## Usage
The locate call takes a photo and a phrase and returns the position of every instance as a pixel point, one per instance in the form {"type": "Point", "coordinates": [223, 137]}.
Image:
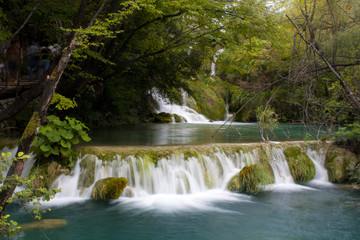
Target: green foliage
{"type": "Point", "coordinates": [62, 103]}
{"type": "Point", "coordinates": [209, 95]}
{"type": "Point", "coordinates": [351, 130]}
{"type": "Point", "coordinates": [29, 194]}
{"type": "Point", "coordinates": [267, 120]}
{"type": "Point", "coordinates": [57, 137]}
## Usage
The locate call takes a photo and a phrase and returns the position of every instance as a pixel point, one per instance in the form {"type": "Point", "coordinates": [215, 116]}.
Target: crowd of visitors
{"type": "Point", "coordinates": [38, 59]}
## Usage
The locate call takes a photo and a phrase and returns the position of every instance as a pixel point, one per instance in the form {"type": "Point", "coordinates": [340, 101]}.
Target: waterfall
{"type": "Point", "coordinates": [179, 174]}
{"type": "Point", "coordinates": [213, 64]}
{"type": "Point", "coordinates": [188, 114]}
{"type": "Point", "coordinates": [318, 158]}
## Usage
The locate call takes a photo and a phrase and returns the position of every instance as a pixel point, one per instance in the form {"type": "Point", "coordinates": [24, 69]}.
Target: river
{"type": "Point", "coordinates": [187, 198]}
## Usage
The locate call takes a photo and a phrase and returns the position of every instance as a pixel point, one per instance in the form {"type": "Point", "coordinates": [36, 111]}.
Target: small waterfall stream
{"type": "Point", "coordinates": [177, 174]}
{"type": "Point", "coordinates": [188, 114]}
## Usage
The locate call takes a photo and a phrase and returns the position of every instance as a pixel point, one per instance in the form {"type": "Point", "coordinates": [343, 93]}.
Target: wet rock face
{"type": "Point", "coordinates": [342, 165]}
{"type": "Point", "coordinates": [109, 188]}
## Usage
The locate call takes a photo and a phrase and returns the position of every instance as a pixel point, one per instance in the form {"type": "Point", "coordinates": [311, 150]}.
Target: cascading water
{"type": "Point", "coordinates": [213, 64]}
{"type": "Point", "coordinates": [188, 114]}
{"type": "Point", "coordinates": [178, 175]}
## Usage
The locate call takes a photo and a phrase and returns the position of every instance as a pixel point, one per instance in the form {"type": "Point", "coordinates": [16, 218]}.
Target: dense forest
{"type": "Point", "coordinates": [97, 64]}
{"type": "Point", "coordinates": [299, 58]}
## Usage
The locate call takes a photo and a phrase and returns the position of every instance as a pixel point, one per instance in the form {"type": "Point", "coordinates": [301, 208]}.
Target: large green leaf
{"type": "Point", "coordinates": [52, 118]}
{"type": "Point", "coordinates": [45, 148]}
{"type": "Point", "coordinates": [67, 134]}
{"type": "Point", "coordinates": [65, 143]}
{"type": "Point", "coordinates": [75, 140]}
{"type": "Point", "coordinates": [85, 136]}
{"type": "Point", "coordinates": [53, 136]}
{"type": "Point", "coordinates": [55, 151]}
{"type": "Point", "coordinates": [38, 141]}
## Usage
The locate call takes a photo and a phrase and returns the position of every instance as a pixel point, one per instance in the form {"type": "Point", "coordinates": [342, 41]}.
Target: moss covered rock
{"type": "Point", "coordinates": [87, 172]}
{"type": "Point", "coordinates": [342, 165]}
{"type": "Point", "coordinates": [251, 178]}
{"type": "Point", "coordinates": [109, 188]}
{"type": "Point", "coordinates": [301, 167]}
{"type": "Point", "coordinates": [163, 117]}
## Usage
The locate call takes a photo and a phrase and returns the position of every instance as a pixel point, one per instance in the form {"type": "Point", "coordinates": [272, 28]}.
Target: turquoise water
{"type": "Point", "coordinates": [185, 133]}
{"type": "Point", "coordinates": [288, 211]}
{"type": "Point", "coordinates": [315, 212]}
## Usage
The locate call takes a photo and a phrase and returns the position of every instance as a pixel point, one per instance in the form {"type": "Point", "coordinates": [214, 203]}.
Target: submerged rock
{"type": "Point", "coordinates": [251, 178]}
{"type": "Point", "coordinates": [301, 167]}
{"type": "Point", "coordinates": [342, 165]}
{"type": "Point", "coordinates": [109, 188]}
{"type": "Point", "coordinates": [44, 224]}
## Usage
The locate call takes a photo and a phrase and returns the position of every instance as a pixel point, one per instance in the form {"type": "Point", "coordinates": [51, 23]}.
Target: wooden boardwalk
{"type": "Point", "coordinates": [11, 90]}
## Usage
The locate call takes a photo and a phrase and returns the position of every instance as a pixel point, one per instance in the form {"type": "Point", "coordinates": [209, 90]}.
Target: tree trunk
{"type": "Point", "coordinates": [39, 114]}
{"type": "Point", "coordinates": [36, 120]}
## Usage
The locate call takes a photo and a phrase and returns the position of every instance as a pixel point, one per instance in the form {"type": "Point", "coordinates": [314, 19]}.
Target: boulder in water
{"type": "Point", "coordinates": [109, 188]}
{"type": "Point", "coordinates": [163, 117]}
{"type": "Point", "coordinates": [251, 178]}
{"type": "Point", "coordinates": [301, 167]}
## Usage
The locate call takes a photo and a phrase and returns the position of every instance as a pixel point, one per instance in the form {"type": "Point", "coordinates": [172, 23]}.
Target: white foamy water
{"type": "Point", "coordinates": [188, 114]}
{"type": "Point", "coordinates": [176, 180]}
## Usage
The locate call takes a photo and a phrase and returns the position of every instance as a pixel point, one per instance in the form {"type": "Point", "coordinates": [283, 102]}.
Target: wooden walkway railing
{"type": "Point", "coordinates": [10, 89]}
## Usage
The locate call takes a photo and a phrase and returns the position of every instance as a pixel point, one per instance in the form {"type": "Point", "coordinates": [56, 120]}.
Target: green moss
{"type": "Point", "coordinates": [31, 127]}
{"type": "Point", "coordinates": [209, 103]}
{"type": "Point", "coordinates": [178, 119]}
{"type": "Point", "coordinates": [109, 188]}
{"type": "Point", "coordinates": [163, 118]}
{"type": "Point", "coordinates": [301, 167]}
{"type": "Point", "coordinates": [251, 178]}
{"type": "Point", "coordinates": [342, 165]}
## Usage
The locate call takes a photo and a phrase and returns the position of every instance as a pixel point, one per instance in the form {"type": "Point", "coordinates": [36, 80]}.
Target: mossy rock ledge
{"type": "Point", "coordinates": [301, 166]}
{"type": "Point", "coordinates": [251, 179]}
{"type": "Point", "coordinates": [109, 188]}
{"type": "Point", "coordinates": [342, 165]}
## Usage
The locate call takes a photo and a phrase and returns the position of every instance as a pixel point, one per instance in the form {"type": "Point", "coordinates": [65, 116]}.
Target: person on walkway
{"type": "Point", "coordinates": [12, 56]}
{"type": "Point", "coordinates": [45, 61]}
{"type": "Point", "coordinates": [33, 53]}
